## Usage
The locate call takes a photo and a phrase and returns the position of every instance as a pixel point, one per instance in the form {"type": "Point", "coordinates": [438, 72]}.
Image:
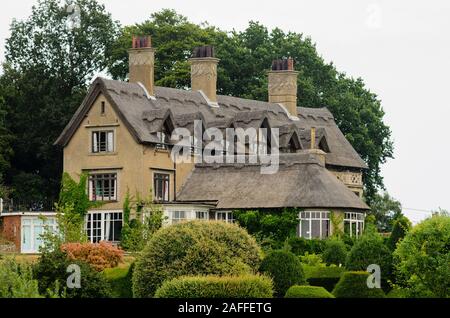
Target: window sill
{"type": "Point", "coordinates": [101, 154]}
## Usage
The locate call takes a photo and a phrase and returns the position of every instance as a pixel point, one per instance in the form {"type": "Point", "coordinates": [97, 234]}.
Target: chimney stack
{"type": "Point", "coordinates": [283, 84]}
{"type": "Point", "coordinates": [142, 63]}
{"type": "Point", "coordinates": [204, 72]}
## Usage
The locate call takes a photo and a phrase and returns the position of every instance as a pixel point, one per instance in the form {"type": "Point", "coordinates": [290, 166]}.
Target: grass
{"type": "Point", "coordinates": [120, 279]}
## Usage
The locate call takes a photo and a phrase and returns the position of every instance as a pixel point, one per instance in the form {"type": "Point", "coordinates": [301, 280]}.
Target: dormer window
{"type": "Point", "coordinates": [265, 138]}
{"type": "Point", "coordinates": [102, 141]}
{"type": "Point", "coordinates": [164, 135]}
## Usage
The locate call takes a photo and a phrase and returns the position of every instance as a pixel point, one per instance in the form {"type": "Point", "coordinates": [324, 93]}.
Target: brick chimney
{"type": "Point", "coordinates": [142, 63]}
{"type": "Point", "coordinates": [283, 85]}
{"type": "Point", "coordinates": [204, 72]}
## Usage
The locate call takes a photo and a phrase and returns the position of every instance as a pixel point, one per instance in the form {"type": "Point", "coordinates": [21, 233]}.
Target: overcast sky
{"type": "Point", "coordinates": [400, 48]}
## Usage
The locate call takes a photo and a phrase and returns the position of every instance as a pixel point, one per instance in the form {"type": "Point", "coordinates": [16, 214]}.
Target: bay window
{"type": "Point", "coordinates": [354, 223]}
{"type": "Point", "coordinates": [314, 225]}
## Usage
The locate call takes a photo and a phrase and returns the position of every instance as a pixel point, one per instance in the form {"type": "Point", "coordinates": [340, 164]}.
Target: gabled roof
{"type": "Point", "coordinates": [301, 181]}
{"type": "Point", "coordinates": [142, 116]}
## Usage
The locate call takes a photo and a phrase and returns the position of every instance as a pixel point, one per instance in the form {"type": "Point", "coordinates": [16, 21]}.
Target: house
{"type": "Point", "coordinates": [121, 137]}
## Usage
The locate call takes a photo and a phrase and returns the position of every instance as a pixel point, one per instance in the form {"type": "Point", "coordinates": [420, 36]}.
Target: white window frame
{"type": "Point", "coordinates": [204, 213]}
{"type": "Point", "coordinates": [356, 218]}
{"type": "Point", "coordinates": [114, 196]}
{"type": "Point", "coordinates": [229, 217]}
{"type": "Point", "coordinates": [178, 216]}
{"type": "Point", "coordinates": [308, 216]}
{"type": "Point", "coordinates": [104, 235]}
{"type": "Point", "coordinates": [110, 141]}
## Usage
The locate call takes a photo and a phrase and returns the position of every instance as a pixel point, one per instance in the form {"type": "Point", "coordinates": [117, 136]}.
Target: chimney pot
{"type": "Point", "coordinates": [204, 71]}
{"type": "Point", "coordinates": [142, 62]}
{"type": "Point", "coordinates": [283, 84]}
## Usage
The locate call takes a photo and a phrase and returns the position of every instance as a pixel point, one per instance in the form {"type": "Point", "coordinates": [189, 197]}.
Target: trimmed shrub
{"type": "Point", "coordinates": [51, 273]}
{"type": "Point", "coordinates": [311, 259]}
{"type": "Point", "coordinates": [99, 255]}
{"type": "Point", "coordinates": [194, 248]}
{"type": "Point", "coordinates": [401, 227]}
{"type": "Point", "coordinates": [307, 292]}
{"type": "Point", "coordinates": [120, 280]}
{"type": "Point", "coordinates": [335, 252]}
{"type": "Point", "coordinates": [354, 285]}
{"type": "Point", "coordinates": [300, 246]}
{"type": "Point", "coordinates": [370, 250]}
{"type": "Point", "coordinates": [285, 269]}
{"type": "Point", "coordinates": [16, 280]}
{"type": "Point", "coordinates": [323, 276]}
{"type": "Point", "coordinates": [245, 286]}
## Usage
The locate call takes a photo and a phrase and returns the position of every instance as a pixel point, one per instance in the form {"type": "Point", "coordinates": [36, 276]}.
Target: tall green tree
{"type": "Point", "coordinates": [50, 58]}
{"type": "Point", "coordinates": [245, 58]}
{"type": "Point", "coordinates": [6, 151]}
{"type": "Point", "coordinates": [385, 209]}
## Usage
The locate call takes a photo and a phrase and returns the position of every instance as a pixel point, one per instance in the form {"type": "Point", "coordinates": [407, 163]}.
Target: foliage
{"type": "Point", "coordinates": [51, 272]}
{"type": "Point", "coordinates": [324, 276]}
{"type": "Point", "coordinates": [99, 255]}
{"type": "Point", "coordinates": [354, 285]}
{"type": "Point", "coordinates": [337, 219]}
{"type": "Point", "coordinates": [422, 258]}
{"type": "Point", "coordinates": [47, 69]}
{"type": "Point", "coordinates": [385, 209]}
{"type": "Point", "coordinates": [244, 286]}
{"type": "Point", "coordinates": [194, 248]}
{"type": "Point", "coordinates": [74, 194]}
{"type": "Point", "coordinates": [401, 227]}
{"type": "Point", "coordinates": [244, 59]}
{"type": "Point", "coordinates": [370, 250]}
{"type": "Point", "coordinates": [335, 252]}
{"type": "Point", "coordinates": [301, 246]}
{"type": "Point", "coordinates": [285, 270]}
{"type": "Point", "coordinates": [136, 233]}
{"type": "Point", "coordinates": [311, 259]}
{"type": "Point", "coordinates": [307, 292]}
{"type": "Point", "coordinates": [273, 225]}
{"type": "Point", "coordinates": [397, 293]}
{"type": "Point", "coordinates": [16, 280]}
{"type": "Point", "coordinates": [120, 280]}
{"type": "Point", "coordinates": [6, 139]}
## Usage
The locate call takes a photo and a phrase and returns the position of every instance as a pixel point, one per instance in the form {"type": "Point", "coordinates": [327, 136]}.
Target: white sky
{"type": "Point", "coordinates": [400, 48]}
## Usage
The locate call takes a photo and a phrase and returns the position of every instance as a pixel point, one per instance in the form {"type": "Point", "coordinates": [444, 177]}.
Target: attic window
{"type": "Point", "coordinates": [164, 135]}
{"type": "Point", "coordinates": [102, 108]}
{"type": "Point", "coordinates": [323, 145]}
{"type": "Point", "coordinates": [102, 141]}
{"type": "Point", "coordinates": [265, 138]}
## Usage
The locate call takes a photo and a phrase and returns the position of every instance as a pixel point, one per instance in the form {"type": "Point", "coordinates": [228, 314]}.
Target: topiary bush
{"type": "Point", "coordinates": [307, 292]}
{"type": "Point", "coordinates": [335, 252]}
{"type": "Point", "coordinates": [301, 246]}
{"type": "Point", "coordinates": [285, 269]}
{"type": "Point", "coordinates": [51, 273]}
{"type": "Point", "coordinates": [244, 286]}
{"type": "Point", "coordinates": [194, 248]}
{"type": "Point", "coordinates": [370, 250]}
{"type": "Point", "coordinates": [402, 225]}
{"type": "Point", "coordinates": [354, 285]}
{"type": "Point", "coordinates": [99, 255]}
{"type": "Point", "coordinates": [323, 276]}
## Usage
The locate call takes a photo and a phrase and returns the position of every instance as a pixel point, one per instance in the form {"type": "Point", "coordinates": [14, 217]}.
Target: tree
{"type": "Point", "coordinates": [48, 65]}
{"type": "Point", "coordinates": [422, 258]}
{"type": "Point", "coordinates": [385, 209]}
{"type": "Point", "coordinates": [244, 59]}
{"type": "Point", "coordinates": [6, 151]}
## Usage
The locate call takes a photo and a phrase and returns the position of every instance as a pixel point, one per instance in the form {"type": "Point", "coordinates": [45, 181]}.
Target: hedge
{"type": "Point", "coordinates": [244, 286]}
{"type": "Point", "coordinates": [323, 276]}
{"type": "Point", "coordinates": [191, 249]}
{"type": "Point", "coordinates": [285, 269]}
{"type": "Point", "coordinates": [307, 292]}
{"type": "Point", "coordinates": [300, 245]}
{"type": "Point", "coordinates": [354, 285]}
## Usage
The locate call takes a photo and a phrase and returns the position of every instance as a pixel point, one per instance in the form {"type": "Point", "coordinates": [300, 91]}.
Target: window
{"type": "Point", "coordinates": [225, 216]}
{"type": "Point", "coordinates": [162, 140]}
{"type": "Point", "coordinates": [178, 216]}
{"type": "Point", "coordinates": [201, 215]}
{"type": "Point", "coordinates": [354, 223]}
{"type": "Point", "coordinates": [104, 226]}
{"type": "Point", "coordinates": [103, 187]}
{"type": "Point", "coordinates": [102, 109]}
{"type": "Point", "coordinates": [102, 141]}
{"type": "Point", "coordinates": [314, 225]}
{"type": "Point", "coordinates": [161, 186]}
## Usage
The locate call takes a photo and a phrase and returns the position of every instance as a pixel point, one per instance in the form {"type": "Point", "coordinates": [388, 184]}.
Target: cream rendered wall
{"type": "Point", "coordinates": [126, 160]}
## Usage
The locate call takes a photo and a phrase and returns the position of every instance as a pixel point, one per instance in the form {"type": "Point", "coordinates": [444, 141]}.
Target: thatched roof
{"type": "Point", "coordinates": [144, 117]}
{"type": "Point", "coordinates": [302, 181]}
